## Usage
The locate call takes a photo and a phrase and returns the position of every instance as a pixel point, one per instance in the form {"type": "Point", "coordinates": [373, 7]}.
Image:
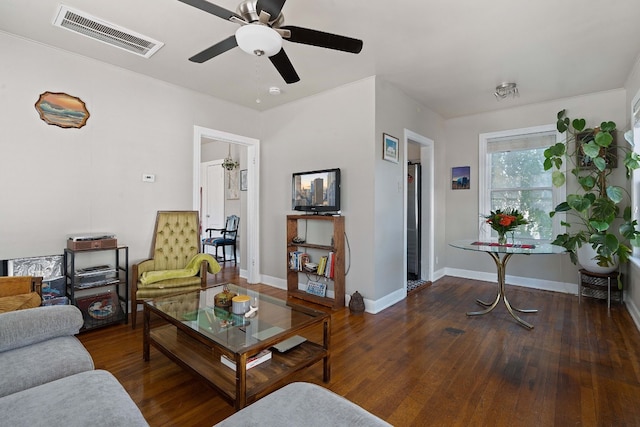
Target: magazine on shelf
{"type": "Point", "coordinates": [252, 361]}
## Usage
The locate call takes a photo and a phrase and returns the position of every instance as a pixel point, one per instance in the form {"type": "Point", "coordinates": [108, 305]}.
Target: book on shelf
{"type": "Point", "coordinates": [322, 263]}
{"type": "Point", "coordinates": [316, 288]}
{"type": "Point", "coordinates": [252, 361]}
{"type": "Point", "coordinates": [329, 269]}
{"type": "Point", "coordinates": [298, 259]}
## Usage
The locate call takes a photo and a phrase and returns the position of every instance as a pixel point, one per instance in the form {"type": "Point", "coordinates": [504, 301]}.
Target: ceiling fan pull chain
{"type": "Point", "coordinates": [257, 80]}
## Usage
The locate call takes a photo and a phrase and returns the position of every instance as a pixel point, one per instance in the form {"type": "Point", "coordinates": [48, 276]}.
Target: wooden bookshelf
{"type": "Point", "coordinates": [337, 247]}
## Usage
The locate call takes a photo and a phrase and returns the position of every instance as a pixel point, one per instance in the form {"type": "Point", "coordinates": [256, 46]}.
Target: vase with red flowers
{"type": "Point", "coordinates": [505, 221]}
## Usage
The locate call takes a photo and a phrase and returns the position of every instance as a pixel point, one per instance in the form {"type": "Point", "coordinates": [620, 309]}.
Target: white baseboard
{"type": "Point", "coordinates": [633, 311]}
{"type": "Point", "coordinates": [526, 282]}
{"type": "Point", "coordinates": [376, 306]}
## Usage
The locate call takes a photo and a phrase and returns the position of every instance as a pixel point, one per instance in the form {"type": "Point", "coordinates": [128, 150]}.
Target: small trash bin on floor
{"type": "Point", "coordinates": [600, 286]}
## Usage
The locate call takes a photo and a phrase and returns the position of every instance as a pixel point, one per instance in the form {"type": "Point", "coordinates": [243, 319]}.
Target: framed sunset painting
{"type": "Point", "coordinates": [60, 109]}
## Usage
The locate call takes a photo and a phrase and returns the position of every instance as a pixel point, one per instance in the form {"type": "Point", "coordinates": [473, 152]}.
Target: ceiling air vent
{"type": "Point", "coordinates": [106, 32]}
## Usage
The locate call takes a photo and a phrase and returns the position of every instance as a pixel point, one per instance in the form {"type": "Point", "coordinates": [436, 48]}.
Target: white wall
{"type": "Point", "coordinates": [343, 128]}
{"type": "Point", "coordinates": [331, 130]}
{"type": "Point", "coordinates": [462, 205]}
{"type": "Point", "coordinates": [395, 111]}
{"type": "Point", "coordinates": [62, 181]}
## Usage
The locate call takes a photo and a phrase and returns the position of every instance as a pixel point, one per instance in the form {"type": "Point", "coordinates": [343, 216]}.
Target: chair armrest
{"type": "Point", "coordinates": [25, 327]}
{"type": "Point", "coordinates": [17, 285]}
{"type": "Point", "coordinates": [204, 266]}
{"type": "Point", "coordinates": [142, 266]}
{"type": "Point", "coordinates": [37, 285]}
{"type": "Point", "coordinates": [209, 230]}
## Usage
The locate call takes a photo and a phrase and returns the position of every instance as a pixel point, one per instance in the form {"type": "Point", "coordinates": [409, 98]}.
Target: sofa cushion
{"type": "Point", "coordinates": [303, 404]}
{"type": "Point", "coordinates": [93, 398]}
{"type": "Point", "coordinates": [43, 362]}
{"type": "Point", "coordinates": [26, 327]}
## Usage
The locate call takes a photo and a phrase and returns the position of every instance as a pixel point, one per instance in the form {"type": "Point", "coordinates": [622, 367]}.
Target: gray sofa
{"type": "Point", "coordinates": [47, 377]}
{"type": "Point", "coordinates": [304, 405]}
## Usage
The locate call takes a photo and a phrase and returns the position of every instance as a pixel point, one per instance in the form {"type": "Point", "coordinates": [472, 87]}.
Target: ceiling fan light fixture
{"type": "Point", "coordinates": [506, 89]}
{"type": "Point", "coordinates": [259, 40]}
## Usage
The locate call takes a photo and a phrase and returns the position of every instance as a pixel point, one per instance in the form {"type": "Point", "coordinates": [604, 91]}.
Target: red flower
{"type": "Point", "coordinates": [506, 220]}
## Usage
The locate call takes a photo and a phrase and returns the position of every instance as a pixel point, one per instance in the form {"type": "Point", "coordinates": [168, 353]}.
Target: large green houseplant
{"type": "Point", "coordinates": [598, 212]}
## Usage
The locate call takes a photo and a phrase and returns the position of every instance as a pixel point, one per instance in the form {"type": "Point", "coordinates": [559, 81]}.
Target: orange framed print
{"type": "Point", "coordinates": [60, 109]}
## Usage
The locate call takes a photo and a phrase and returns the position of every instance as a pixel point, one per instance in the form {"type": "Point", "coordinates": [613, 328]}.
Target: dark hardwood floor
{"type": "Point", "coordinates": [423, 362]}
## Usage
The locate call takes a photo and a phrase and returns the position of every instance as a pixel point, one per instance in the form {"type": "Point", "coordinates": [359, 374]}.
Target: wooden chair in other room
{"type": "Point", "coordinates": [228, 237]}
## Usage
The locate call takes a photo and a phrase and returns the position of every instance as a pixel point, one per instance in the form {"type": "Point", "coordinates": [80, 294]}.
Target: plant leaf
{"type": "Point", "coordinates": [577, 202]}
{"type": "Point", "coordinates": [608, 126]}
{"type": "Point", "coordinates": [600, 163]}
{"type": "Point", "coordinates": [587, 182]}
{"type": "Point", "coordinates": [603, 139]}
{"type": "Point", "coordinates": [562, 207]}
{"type": "Point", "coordinates": [600, 226]}
{"type": "Point", "coordinates": [557, 178]}
{"type": "Point", "coordinates": [579, 124]}
{"type": "Point", "coordinates": [591, 149]}
{"type": "Point", "coordinates": [615, 193]}
{"type": "Point", "coordinates": [562, 125]}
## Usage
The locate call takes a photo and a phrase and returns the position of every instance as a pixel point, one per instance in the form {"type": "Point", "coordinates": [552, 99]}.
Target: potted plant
{"type": "Point", "coordinates": [593, 209]}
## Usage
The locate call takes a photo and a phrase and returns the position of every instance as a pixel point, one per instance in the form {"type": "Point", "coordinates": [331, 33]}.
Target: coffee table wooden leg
{"type": "Point", "coordinates": [326, 361]}
{"type": "Point", "coordinates": [145, 335]}
{"type": "Point", "coordinates": [241, 382]}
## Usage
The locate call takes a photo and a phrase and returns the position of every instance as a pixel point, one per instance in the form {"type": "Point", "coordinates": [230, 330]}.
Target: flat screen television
{"type": "Point", "coordinates": [316, 191]}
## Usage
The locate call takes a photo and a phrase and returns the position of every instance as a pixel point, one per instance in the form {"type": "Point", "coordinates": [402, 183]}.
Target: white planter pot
{"type": "Point", "coordinates": [587, 259]}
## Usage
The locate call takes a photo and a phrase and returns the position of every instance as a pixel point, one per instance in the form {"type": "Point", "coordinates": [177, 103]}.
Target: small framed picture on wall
{"type": "Point", "coordinates": [461, 178]}
{"type": "Point", "coordinates": [390, 148]}
{"type": "Point", "coordinates": [243, 180]}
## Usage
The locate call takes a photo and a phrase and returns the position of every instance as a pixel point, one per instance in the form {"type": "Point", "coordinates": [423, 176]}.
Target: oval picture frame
{"type": "Point", "coordinates": [63, 110]}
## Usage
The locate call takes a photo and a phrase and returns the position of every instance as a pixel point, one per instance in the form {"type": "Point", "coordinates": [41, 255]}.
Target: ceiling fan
{"type": "Point", "coordinates": [261, 33]}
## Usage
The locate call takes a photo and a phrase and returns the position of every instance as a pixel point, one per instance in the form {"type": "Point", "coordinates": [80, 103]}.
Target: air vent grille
{"type": "Point", "coordinates": [106, 32]}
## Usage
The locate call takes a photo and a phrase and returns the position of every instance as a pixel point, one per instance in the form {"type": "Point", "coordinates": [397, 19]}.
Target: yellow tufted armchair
{"type": "Point", "coordinates": [176, 241]}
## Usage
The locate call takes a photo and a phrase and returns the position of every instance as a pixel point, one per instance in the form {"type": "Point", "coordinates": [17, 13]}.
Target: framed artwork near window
{"type": "Point", "coordinates": [389, 148]}
{"type": "Point", "coordinates": [461, 178]}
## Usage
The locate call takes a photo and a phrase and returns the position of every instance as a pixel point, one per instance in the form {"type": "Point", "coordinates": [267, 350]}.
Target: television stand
{"type": "Point", "coordinates": [316, 250]}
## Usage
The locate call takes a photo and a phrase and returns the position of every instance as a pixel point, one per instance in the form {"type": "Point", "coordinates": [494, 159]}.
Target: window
{"type": "Point", "coordinates": [512, 175]}
{"type": "Point", "coordinates": [635, 183]}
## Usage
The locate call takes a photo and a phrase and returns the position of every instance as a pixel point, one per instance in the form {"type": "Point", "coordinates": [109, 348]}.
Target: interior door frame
{"type": "Point", "coordinates": [428, 165]}
{"type": "Point", "coordinates": [253, 189]}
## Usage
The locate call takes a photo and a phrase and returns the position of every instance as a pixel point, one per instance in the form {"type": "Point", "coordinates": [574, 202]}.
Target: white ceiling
{"type": "Point", "coordinates": [447, 54]}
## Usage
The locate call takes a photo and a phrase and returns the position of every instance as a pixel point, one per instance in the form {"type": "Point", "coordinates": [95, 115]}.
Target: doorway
{"type": "Point", "coordinates": [212, 211]}
{"type": "Point", "coordinates": [419, 149]}
{"type": "Point", "coordinates": [252, 230]}
{"type": "Point", "coordinates": [414, 220]}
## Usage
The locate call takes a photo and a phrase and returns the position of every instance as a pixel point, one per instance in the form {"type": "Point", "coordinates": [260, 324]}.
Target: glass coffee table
{"type": "Point", "coordinates": [194, 333]}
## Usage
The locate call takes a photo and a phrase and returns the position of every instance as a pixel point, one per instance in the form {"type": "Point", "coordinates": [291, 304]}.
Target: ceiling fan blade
{"type": "Point", "coordinates": [211, 8]}
{"type": "Point", "coordinates": [322, 39]}
{"type": "Point", "coordinates": [215, 50]}
{"type": "Point", "coordinates": [284, 66]}
{"type": "Point", "coordinates": [272, 7]}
